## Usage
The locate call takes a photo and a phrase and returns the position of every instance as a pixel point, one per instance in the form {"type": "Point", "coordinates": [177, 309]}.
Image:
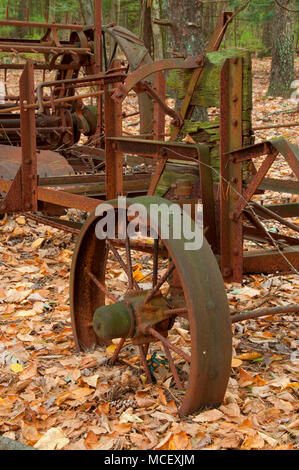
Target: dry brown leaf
{"type": "Point", "coordinates": [208, 416]}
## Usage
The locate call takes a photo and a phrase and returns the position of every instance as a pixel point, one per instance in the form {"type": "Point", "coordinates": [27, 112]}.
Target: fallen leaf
{"type": "Point", "coordinates": [53, 439]}
{"type": "Point", "coordinates": [208, 416]}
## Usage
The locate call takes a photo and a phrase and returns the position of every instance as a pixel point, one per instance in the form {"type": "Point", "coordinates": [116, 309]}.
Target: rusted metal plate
{"type": "Point", "coordinates": [48, 163]}
{"type": "Point", "coordinates": [272, 261]}
{"type": "Point", "coordinates": [231, 238]}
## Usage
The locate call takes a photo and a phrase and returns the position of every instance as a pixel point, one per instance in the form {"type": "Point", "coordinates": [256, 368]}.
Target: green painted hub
{"type": "Point", "coordinates": [112, 321]}
{"type": "Point", "coordinates": [119, 320]}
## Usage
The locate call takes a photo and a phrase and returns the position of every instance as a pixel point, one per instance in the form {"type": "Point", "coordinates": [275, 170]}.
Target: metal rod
{"type": "Point", "coordinates": [117, 351]}
{"type": "Point", "coordinates": [101, 287]}
{"type": "Point", "coordinates": [276, 216]}
{"type": "Point", "coordinates": [145, 365]}
{"type": "Point", "coordinates": [263, 312]}
{"type": "Point", "coordinates": [173, 368]}
{"type": "Point", "coordinates": [159, 284]}
{"type": "Point", "coordinates": [121, 262]}
{"type": "Point", "coordinates": [168, 344]}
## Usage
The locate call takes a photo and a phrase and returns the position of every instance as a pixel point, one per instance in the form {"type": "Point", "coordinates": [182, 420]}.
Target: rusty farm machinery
{"type": "Point", "coordinates": [45, 169]}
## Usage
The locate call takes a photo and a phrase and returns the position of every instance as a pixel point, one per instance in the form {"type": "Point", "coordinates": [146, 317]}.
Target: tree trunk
{"type": "Point", "coordinates": [283, 51]}
{"type": "Point", "coordinates": [267, 38]}
{"type": "Point", "coordinates": [115, 8]}
{"type": "Point", "coordinates": [157, 32]}
{"type": "Point", "coordinates": [87, 11]}
{"type": "Point", "coordinates": [22, 9]}
{"type": "Point", "coordinates": [185, 37]}
{"type": "Point", "coordinates": [185, 34]}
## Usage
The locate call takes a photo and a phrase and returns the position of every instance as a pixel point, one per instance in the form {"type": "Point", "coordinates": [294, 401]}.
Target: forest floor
{"type": "Point", "coordinates": [52, 397]}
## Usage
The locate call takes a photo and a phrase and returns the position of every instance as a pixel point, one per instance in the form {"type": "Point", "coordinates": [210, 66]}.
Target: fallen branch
{"type": "Point", "coordinates": [275, 126]}
{"type": "Point", "coordinates": [285, 110]}
{"type": "Point", "coordinates": [264, 312]}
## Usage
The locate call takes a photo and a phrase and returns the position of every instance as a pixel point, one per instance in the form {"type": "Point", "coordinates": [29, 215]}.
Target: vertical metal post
{"type": "Point", "coordinates": [28, 140]}
{"type": "Point", "coordinates": [114, 158]}
{"type": "Point", "coordinates": [98, 56]}
{"type": "Point", "coordinates": [159, 114]}
{"type": "Point", "coordinates": [231, 228]}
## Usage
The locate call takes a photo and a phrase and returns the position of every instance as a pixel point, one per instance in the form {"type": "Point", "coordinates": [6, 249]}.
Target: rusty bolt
{"type": "Point", "coordinates": [235, 122]}
{"type": "Point", "coordinates": [235, 98]}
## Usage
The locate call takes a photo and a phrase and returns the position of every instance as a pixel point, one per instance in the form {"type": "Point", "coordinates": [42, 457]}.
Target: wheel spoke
{"type": "Point", "coordinates": [159, 283]}
{"type": "Point", "coordinates": [155, 263]}
{"type": "Point", "coordinates": [129, 263]}
{"type": "Point", "coordinates": [122, 263]}
{"type": "Point", "coordinates": [117, 351]}
{"type": "Point", "coordinates": [173, 368]}
{"type": "Point", "coordinates": [145, 364]}
{"type": "Point", "coordinates": [180, 312]}
{"type": "Point", "coordinates": [164, 341]}
{"type": "Point", "coordinates": [101, 286]}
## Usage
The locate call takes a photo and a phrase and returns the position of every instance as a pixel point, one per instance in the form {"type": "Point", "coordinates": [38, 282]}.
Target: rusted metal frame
{"type": "Point", "coordinates": [114, 159]}
{"type": "Point", "coordinates": [277, 217]}
{"type": "Point", "coordinates": [157, 175]}
{"type": "Point", "coordinates": [207, 196]}
{"type": "Point", "coordinates": [252, 151]}
{"type": "Point", "coordinates": [231, 231]}
{"type": "Point", "coordinates": [78, 82]}
{"type": "Point", "coordinates": [65, 199]}
{"type": "Point", "coordinates": [271, 261]}
{"type": "Point", "coordinates": [22, 191]}
{"type": "Point", "coordinates": [288, 209]}
{"type": "Point", "coordinates": [219, 32]}
{"type": "Point", "coordinates": [146, 87]}
{"type": "Point", "coordinates": [159, 112]}
{"type": "Point", "coordinates": [258, 225]}
{"type": "Point", "coordinates": [282, 186]}
{"type": "Point", "coordinates": [16, 48]}
{"type": "Point", "coordinates": [255, 234]}
{"type": "Point", "coordinates": [60, 224]}
{"type": "Point", "coordinates": [28, 140]}
{"type": "Point", "coordinates": [292, 161]}
{"type": "Point", "coordinates": [56, 101]}
{"type": "Point", "coordinates": [150, 148]}
{"type": "Point", "coordinates": [146, 70]}
{"type": "Point", "coordinates": [38, 66]}
{"type": "Point", "coordinates": [254, 185]}
{"type": "Point", "coordinates": [98, 60]}
{"type": "Point", "coordinates": [36, 24]}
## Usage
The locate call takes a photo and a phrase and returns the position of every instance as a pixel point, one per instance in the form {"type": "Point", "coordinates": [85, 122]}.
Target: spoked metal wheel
{"type": "Point", "coordinates": [165, 302]}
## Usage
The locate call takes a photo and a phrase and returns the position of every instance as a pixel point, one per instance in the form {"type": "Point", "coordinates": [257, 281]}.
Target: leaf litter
{"type": "Point", "coordinates": [53, 398]}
